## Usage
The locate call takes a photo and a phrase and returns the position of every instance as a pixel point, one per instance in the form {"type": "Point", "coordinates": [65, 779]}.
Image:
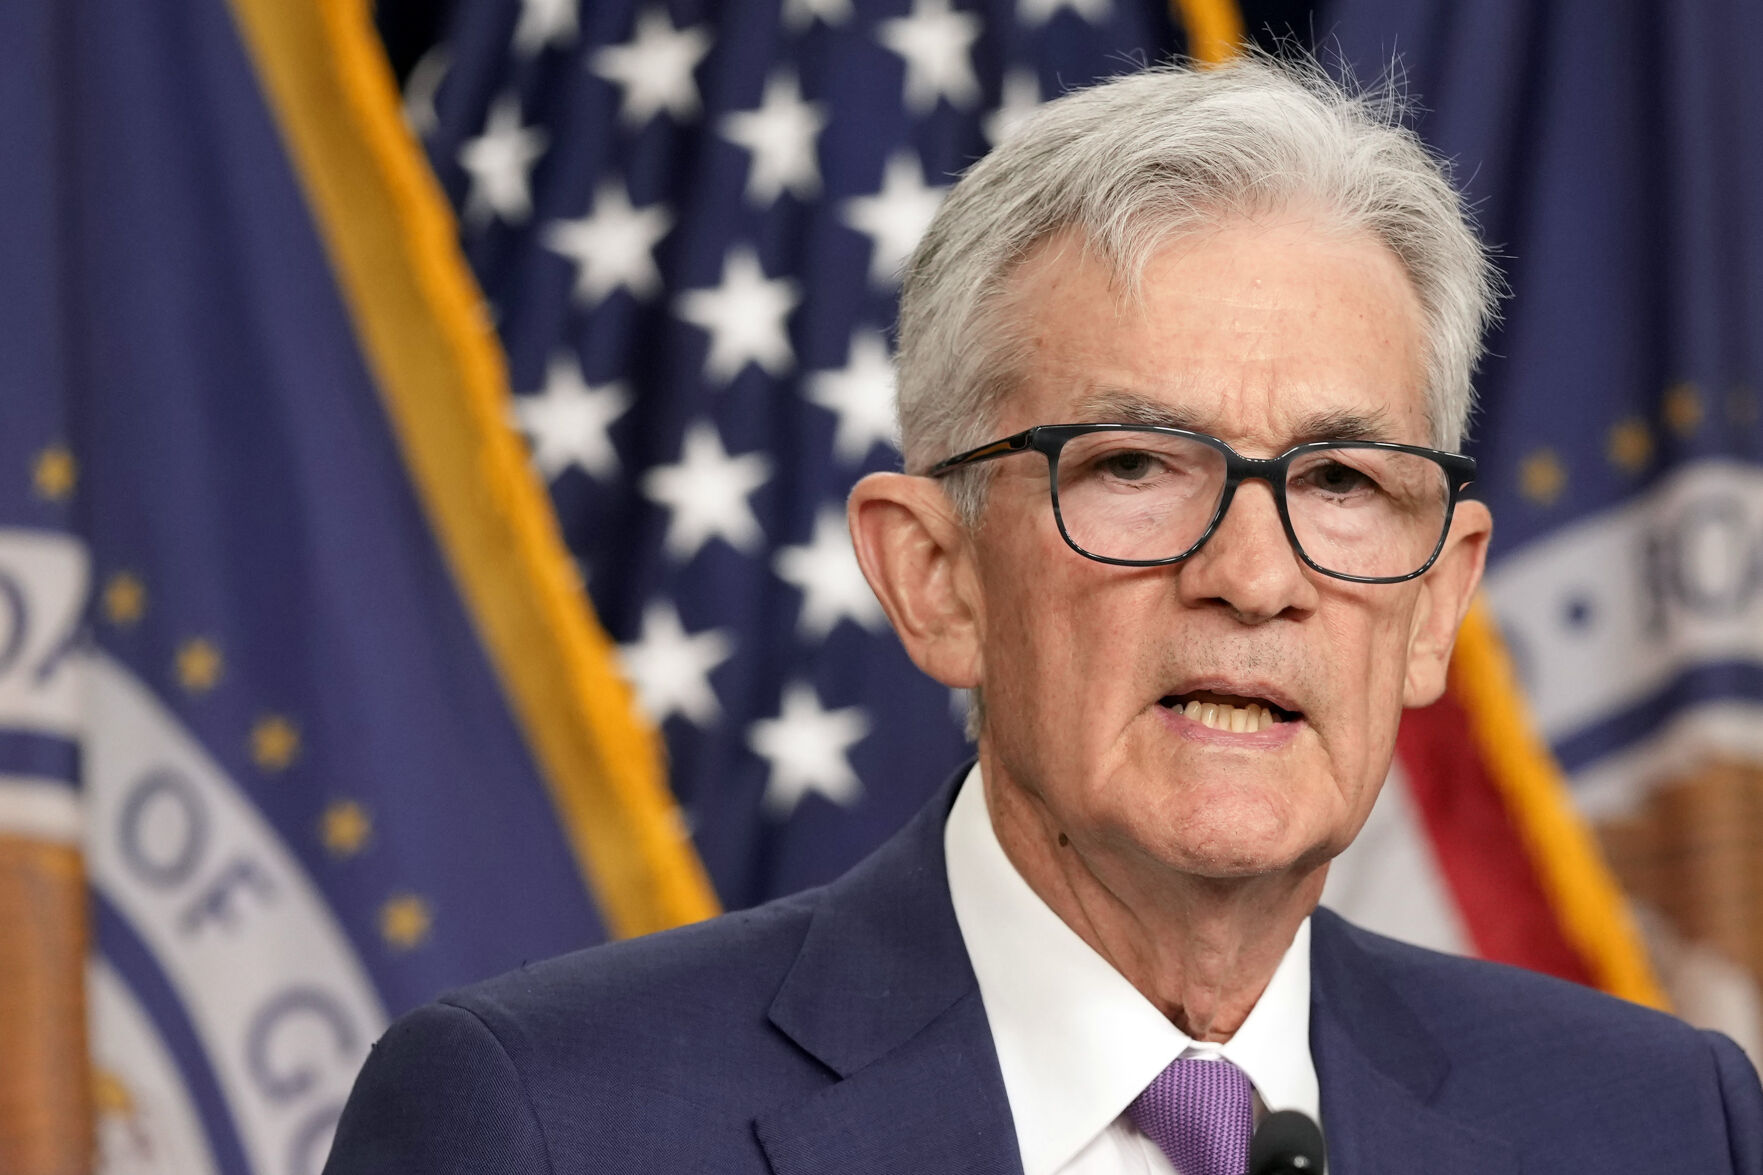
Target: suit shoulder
{"type": "Point", "coordinates": [403, 1114]}
{"type": "Point", "coordinates": [591, 1060]}
{"type": "Point", "coordinates": [1461, 996]}
{"type": "Point", "coordinates": [720, 972]}
{"type": "Point", "coordinates": [1557, 1070]}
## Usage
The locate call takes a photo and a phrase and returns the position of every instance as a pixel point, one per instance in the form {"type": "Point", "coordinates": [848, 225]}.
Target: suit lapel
{"type": "Point", "coordinates": [936, 1103]}
{"type": "Point", "coordinates": [882, 994]}
{"type": "Point", "coordinates": [1381, 1072]}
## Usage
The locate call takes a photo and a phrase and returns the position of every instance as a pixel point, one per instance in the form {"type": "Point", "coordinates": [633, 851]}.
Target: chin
{"type": "Point", "coordinates": [1229, 840]}
{"type": "Point", "coordinates": [1235, 862]}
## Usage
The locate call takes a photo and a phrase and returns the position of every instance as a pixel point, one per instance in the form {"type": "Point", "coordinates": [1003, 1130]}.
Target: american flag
{"type": "Point", "coordinates": [689, 219]}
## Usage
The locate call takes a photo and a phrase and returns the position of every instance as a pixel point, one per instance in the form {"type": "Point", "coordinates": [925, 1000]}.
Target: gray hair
{"type": "Point", "coordinates": [1139, 159]}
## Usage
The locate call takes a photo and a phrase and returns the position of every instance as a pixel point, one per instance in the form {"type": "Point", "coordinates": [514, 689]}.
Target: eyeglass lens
{"type": "Point", "coordinates": [1149, 496]}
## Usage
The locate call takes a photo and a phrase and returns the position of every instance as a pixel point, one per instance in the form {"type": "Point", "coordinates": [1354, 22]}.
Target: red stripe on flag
{"type": "Point", "coordinates": [1490, 872]}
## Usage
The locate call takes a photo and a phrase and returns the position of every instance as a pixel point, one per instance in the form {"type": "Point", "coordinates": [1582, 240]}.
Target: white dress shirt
{"type": "Point", "coordinates": [1076, 1042]}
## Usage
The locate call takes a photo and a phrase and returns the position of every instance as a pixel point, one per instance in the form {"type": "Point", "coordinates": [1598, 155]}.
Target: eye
{"type": "Point", "coordinates": [1127, 465]}
{"type": "Point", "coordinates": [1334, 477]}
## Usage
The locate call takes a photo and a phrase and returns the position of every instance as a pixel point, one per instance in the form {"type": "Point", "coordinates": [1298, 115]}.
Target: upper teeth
{"type": "Point", "coordinates": [1224, 716]}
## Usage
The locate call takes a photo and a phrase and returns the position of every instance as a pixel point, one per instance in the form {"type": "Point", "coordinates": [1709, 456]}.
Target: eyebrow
{"type": "Point", "coordinates": [1345, 426]}
{"type": "Point", "coordinates": [1120, 406]}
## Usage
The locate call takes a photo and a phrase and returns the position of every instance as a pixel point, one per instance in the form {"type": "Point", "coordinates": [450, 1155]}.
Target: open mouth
{"type": "Point", "coordinates": [1230, 712]}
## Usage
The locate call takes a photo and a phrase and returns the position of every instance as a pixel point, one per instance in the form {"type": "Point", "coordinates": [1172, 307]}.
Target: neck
{"type": "Point", "coordinates": [1201, 949]}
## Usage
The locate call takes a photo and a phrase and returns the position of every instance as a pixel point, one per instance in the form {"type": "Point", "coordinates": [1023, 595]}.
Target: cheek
{"type": "Point", "coordinates": [1381, 695]}
{"type": "Point", "coordinates": [1368, 662]}
{"type": "Point", "coordinates": [1034, 652]}
{"type": "Point", "coordinates": [1060, 650]}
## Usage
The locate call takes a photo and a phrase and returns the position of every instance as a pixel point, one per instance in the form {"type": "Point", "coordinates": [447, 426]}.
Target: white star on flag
{"type": "Point", "coordinates": [707, 492]}
{"type": "Point", "coordinates": [1020, 96]}
{"type": "Point", "coordinates": [937, 44]}
{"type": "Point", "coordinates": [780, 136]}
{"type": "Point", "coordinates": [861, 395]}
{"type": "Point", "coordinates": [567, 422]}
{"type": "Point", "coordinates": [745, 318]}
{"type": "Point", "coordinates": [808, 748]}
{"type": "Point", "coordinates": [1039, 12]}
{"type": "Point", "coordinates": [671, 669]}
{"type": "Point", "coordinates": [612, 246]}
{"type": "Point", "coordinates": [831, 583]}
{"type": "Point", "coordinates": [799, 14]}
{"type": "Point", "coordinates": [544, 22]}
{"type": "Point", "coordinates": [654, 68]}
{"type": "Point", "coordinates": [895, 217]}
{"type": "Point", "coordinates": [499, 162]}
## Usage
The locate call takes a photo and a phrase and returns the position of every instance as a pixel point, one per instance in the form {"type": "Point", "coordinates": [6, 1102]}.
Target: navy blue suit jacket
{"type": "Point", "coordinates": [841, 1030]}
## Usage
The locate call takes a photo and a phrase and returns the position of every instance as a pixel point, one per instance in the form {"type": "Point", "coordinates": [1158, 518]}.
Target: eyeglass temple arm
{"type": "Point", "coordinates": [1462, 470]}
{"type": "Point", "coordinates": [998, 448]}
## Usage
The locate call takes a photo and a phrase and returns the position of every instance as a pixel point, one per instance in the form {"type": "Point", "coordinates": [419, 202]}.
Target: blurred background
{"type": "Point", "coordinates": [423, 439]}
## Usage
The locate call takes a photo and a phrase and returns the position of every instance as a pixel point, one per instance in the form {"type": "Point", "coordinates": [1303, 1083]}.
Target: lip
{"type": "Point", "coordinates": [1265, 690]}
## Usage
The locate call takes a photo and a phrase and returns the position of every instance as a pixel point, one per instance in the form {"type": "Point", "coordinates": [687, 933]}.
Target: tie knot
{"type": "Point", "coordinates": [1200, 1114]}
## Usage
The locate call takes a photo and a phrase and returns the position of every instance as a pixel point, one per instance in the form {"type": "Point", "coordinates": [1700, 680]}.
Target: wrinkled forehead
{"type": "Point", "coordinates": [1269, 331]}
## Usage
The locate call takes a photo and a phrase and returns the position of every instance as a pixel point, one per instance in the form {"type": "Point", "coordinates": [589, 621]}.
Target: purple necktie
{"type": "Point", "coordinates": [1199, 1113]}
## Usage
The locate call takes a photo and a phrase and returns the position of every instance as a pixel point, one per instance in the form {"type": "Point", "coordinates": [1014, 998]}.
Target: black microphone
{"type": "Point", "coordinates": [1287, 1143]}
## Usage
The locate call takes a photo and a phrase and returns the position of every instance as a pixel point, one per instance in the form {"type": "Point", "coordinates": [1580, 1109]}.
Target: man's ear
{"type": "Point", "coordinates": [1446, 591]}
{"type": "Point", "coordinates": [913, 551]}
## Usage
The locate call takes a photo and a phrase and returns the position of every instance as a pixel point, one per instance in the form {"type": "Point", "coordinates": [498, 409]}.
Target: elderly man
{"type": "Point", "coordinates": [1181, 369]}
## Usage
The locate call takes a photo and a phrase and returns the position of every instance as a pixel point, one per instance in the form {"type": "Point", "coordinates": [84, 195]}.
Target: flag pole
{"type": "Point", "coordinates": [46, 1124]}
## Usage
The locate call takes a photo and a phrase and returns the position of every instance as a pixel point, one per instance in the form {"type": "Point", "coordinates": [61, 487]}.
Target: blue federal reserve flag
{"type": "Point", "coordinates": [286, 639]}
{"type": "Point", "coordinates": [690, 219]}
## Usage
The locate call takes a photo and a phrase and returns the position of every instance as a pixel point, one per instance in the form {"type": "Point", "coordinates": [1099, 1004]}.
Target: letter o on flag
{"type": "Point", "coordinates": [163, 829]}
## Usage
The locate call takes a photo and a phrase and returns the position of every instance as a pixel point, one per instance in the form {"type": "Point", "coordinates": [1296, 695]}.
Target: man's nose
{"type": "Point", "coordinates": [1248, 565]}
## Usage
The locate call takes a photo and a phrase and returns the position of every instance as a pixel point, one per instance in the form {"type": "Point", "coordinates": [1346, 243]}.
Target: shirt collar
{"type": "Point", "coordinates": [1076, 1042]}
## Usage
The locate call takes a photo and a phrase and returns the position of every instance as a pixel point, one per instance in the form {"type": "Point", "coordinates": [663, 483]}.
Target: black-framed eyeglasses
{"type": "Point", "coordinates": [1141, 496]}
